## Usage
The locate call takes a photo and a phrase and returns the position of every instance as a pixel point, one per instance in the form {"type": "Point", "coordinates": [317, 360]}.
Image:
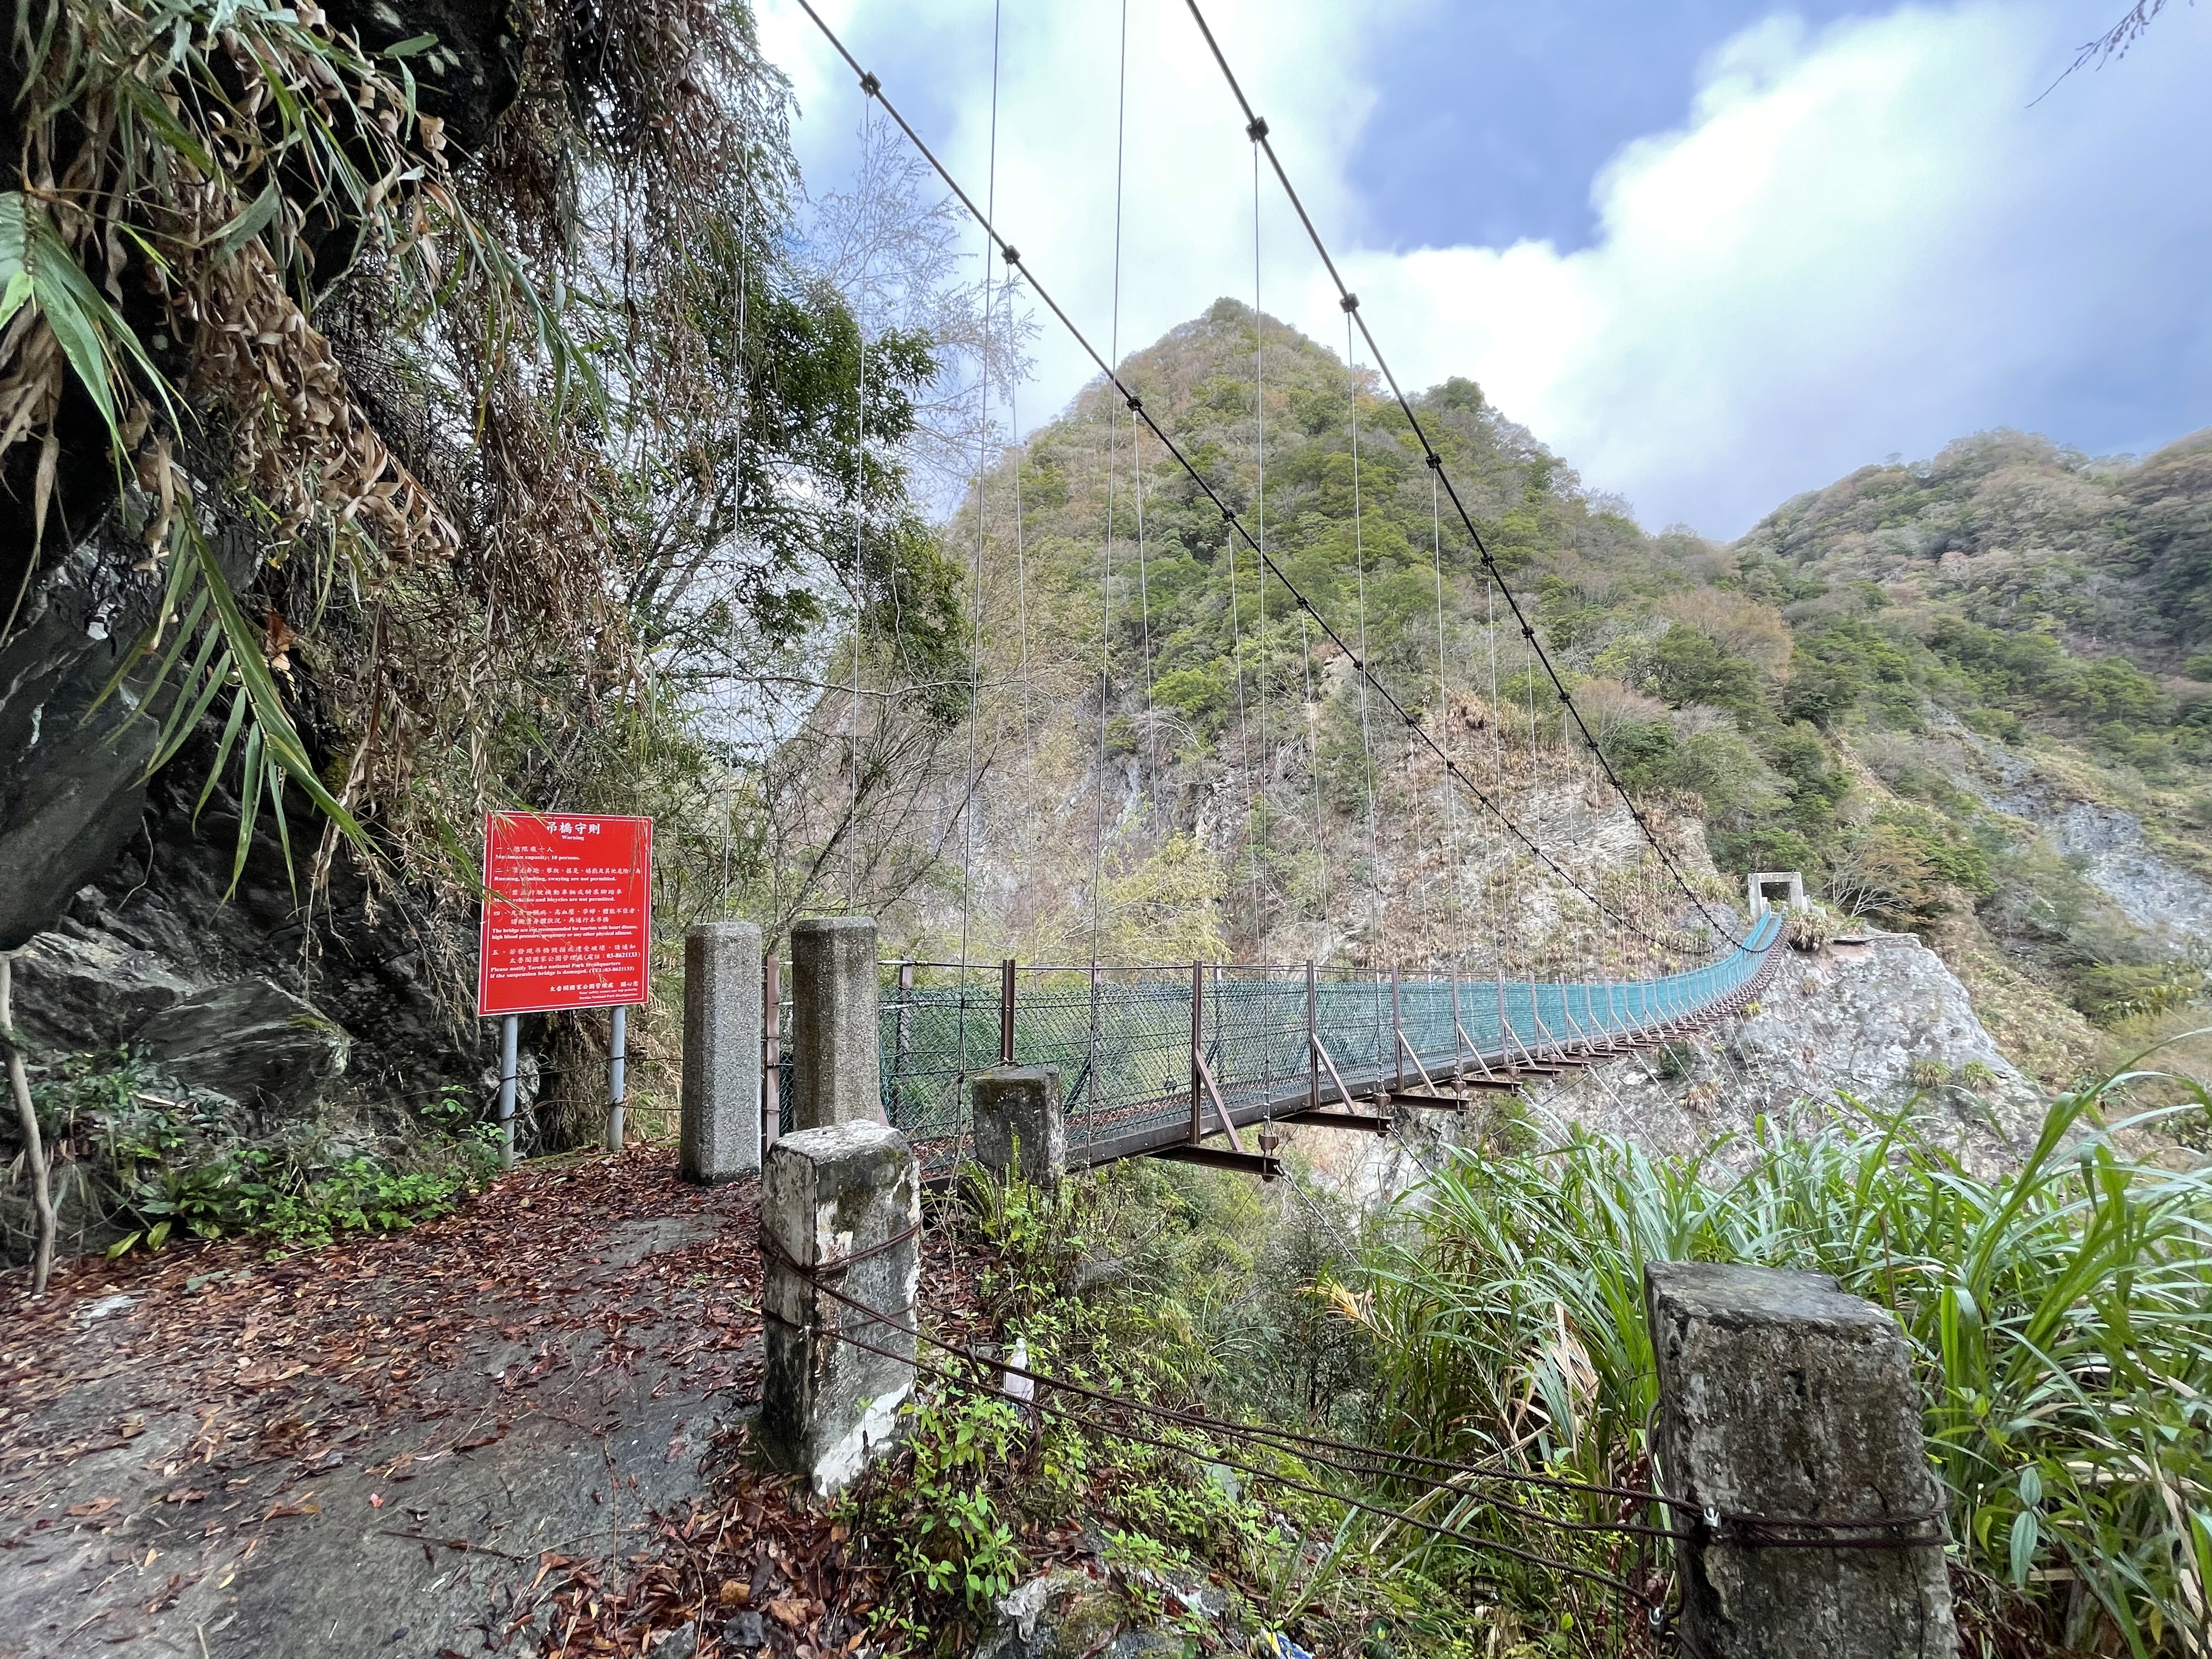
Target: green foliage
{"type": "Point", "coordinates": [2056, 1315]}
{"type": "Point", "coordinates": [1186, 1289]}
{"type": "Point", "coordinates": [159, 1161]}
{"type": "Point", "coordinates": [949, 1542]}
{"type": "Point", "coordinates": [1688, 666]}
{"type": "Point", "coordinates": [1926, 1072]}
{"type": "Point", "coordinates": [2109, 993]}
{"type": "Point", "coordinates": [2034, 671]}
{"type": "Point", "coordinates": [1718, 766]}
{"type": "Point", "coordinates": [295, 1203]}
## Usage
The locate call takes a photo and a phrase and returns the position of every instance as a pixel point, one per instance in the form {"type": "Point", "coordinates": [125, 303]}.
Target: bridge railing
{"type": "Point", "coordinates": [1122, 1037]}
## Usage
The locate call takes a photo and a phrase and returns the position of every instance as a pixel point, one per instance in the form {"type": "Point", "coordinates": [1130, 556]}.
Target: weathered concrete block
{"type": "Point", "coordinates": [846, 1194]}
{"type": "Point", "coordinates": [1782, 1397]}
{"type": "Point", "coordinates": [720, 1137]}
{"type": "Point", "coordinates": [837, 1043]}
{"type": "Point", "coordinates": [1018, 1111]}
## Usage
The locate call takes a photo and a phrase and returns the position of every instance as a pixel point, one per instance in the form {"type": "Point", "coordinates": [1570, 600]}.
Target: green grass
{"type": "Point", "coordinates": [2062, 1319]}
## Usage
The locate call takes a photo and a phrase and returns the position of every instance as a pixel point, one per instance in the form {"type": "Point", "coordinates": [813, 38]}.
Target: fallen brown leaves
{"type": "Point", "coordinates": [388, 1358]}
{"type": "Point", "coordinates": [298, 1360]}
{"type": "Point", "coordinates": [755, 1569]}
{"type": "Point", "coordinates": [757, 1566]}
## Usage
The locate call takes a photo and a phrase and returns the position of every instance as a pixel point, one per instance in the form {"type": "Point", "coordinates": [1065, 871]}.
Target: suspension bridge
{"type": "Point", "coordinates": [1167, 1060]}
{"type": "Point", "coordinates": [1163, 1061]}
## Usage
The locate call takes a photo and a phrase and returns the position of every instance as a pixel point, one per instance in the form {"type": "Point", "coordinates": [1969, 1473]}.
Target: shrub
{"type": "Point", "coordinates": [1811, 928]}
{"type": "Point", "coordinates": [157, 1160]}
{"type": "Point", "coordinates": [1926, 1072]}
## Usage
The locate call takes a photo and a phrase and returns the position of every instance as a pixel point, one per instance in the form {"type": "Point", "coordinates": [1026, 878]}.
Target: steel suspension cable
{"type": "Point", "coordinates": [1050, 1406]}
{"type": "Point", "coordinates": [1290, 1440]}
{"type": "Point", "coordinates": [976, 581]}
{"type": "Point", "coordinates": [1443, 725]}
{"type": "Point", "coordinates": [860, 559]}
{"type": "Point", "coordinates": [1243, 735]}
{"type": "Point", "coordinates": [874, 87]}
{"type": "Point", "coordinates": [1350, 302]}
{"type": "Point", "coordinates": [1144, 584]}
{"type": "Point", "coordinates": [743, 388]}
{"type": "Point", "coordinates": [1359, 576]}
{"type": "Point", "coordinates": [1311, 711]}
{"type": "Point", "coordinates": [1260, 525]}
{"type": "Point", "coordinates": [1106, 570]}
{"type": "Point", "coordinates": [1021, 583]}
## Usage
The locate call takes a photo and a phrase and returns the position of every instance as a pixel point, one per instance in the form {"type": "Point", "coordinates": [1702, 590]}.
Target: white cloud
{"type": "Point", "coordinates": [1187, 217]}
{"type": "Point", "coordinates": [1862, 239]}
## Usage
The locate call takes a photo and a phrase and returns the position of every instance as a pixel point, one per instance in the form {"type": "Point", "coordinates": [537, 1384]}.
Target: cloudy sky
{"type": "Point", "coordinates": [1712, 253]}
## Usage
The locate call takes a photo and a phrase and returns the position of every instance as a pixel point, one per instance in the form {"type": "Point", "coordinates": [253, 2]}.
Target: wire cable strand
{"type": "Point", "coordinates": [873, 87]}
{"type": "Point", "coordinates": [1257, 129]}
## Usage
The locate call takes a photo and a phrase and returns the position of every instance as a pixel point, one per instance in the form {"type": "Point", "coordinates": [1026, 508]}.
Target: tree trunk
{"type": "Point", "coordinates": [34, 1151]}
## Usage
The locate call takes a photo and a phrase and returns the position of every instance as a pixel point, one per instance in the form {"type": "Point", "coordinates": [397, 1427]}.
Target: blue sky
{"type": "Point", "coordinates": [1712, 253]}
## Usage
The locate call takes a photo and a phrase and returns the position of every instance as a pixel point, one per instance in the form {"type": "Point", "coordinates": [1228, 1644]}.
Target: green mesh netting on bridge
{"type": "Point", "coordinates": [1120, 1039]}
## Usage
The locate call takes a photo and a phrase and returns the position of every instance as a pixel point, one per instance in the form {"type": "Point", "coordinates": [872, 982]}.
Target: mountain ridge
{"type": "Point", "coordinates": [1838, 690]}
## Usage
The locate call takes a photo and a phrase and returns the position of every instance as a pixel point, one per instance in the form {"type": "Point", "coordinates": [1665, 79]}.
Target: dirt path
{"type": "Point", "coordinates": [370, 1449]}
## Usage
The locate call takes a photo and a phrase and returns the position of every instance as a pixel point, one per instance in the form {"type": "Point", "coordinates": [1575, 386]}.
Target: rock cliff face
{"type": "Point", "coordinates": [227, 995]}
{"type": "Point", "coordinates": [1879, 1022]}
{"type": "Point", "coordinates": [72, 786]}
{"type": "Point", "coordinates": [112, 893]}
{"type": "Point", "coordinates": [2114, 854]}
{"type": "Point", "coordinates": [2170, 903]}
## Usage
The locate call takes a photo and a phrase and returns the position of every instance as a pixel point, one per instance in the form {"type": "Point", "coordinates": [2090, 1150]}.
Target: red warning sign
{"type": "Point", "coordinates": [568, 913]}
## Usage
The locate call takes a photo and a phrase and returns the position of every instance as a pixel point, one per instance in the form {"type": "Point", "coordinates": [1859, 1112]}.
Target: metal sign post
{"type": "Point", "coordinates": [506, 1034]}
{"type": "Point", "coordinates": [615, 1057]}
{"type": "Point", "coordinates": [771, 1052]}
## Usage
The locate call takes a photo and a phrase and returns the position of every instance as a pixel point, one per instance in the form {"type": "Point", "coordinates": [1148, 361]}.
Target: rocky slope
{"type": "Point", "coordinates": [1876, 1030]}
{"type": "Point", "coordinates": [1868, 1028]}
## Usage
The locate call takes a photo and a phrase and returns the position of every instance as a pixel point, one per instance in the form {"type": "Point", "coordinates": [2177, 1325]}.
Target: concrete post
{"type": "Point", "coordinates": [1789, 1415]}
{"type": "Point", "coordinates": [836, 1040]}
{"type": "Point", "coordinates": [1020, 1112]}
{"type": "Point", "coordinates": [719, 1139]}
{"type": "Point", "coordinates": [846, 1194]}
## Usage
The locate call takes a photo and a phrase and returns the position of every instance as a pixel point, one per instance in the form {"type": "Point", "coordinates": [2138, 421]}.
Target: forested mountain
{"type": "Point", "coordinates": [1957, 695]}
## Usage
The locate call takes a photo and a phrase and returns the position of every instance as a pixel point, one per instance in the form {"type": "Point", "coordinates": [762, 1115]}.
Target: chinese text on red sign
{"type": "Point", "coordinates": [568, 914]}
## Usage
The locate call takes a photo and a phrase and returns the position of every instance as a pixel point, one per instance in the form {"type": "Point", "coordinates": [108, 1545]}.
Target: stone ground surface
{"type": "Point", "coordinates": [399, 1445]}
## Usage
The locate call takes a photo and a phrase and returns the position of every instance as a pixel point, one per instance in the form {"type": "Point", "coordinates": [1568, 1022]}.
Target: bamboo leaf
{"type": "Point", "coordinates": [249, 808]}
{"type": "Point", "coordinates": [100, 345]}
{"type": "Point", "coordinates": [237, 723]}
{"type": "Point", "coordinates": [14, 259]}
{"type": "Point", "coordinates": [271, 721]}
{"type": "Point", "coordinates": [250, 223]}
